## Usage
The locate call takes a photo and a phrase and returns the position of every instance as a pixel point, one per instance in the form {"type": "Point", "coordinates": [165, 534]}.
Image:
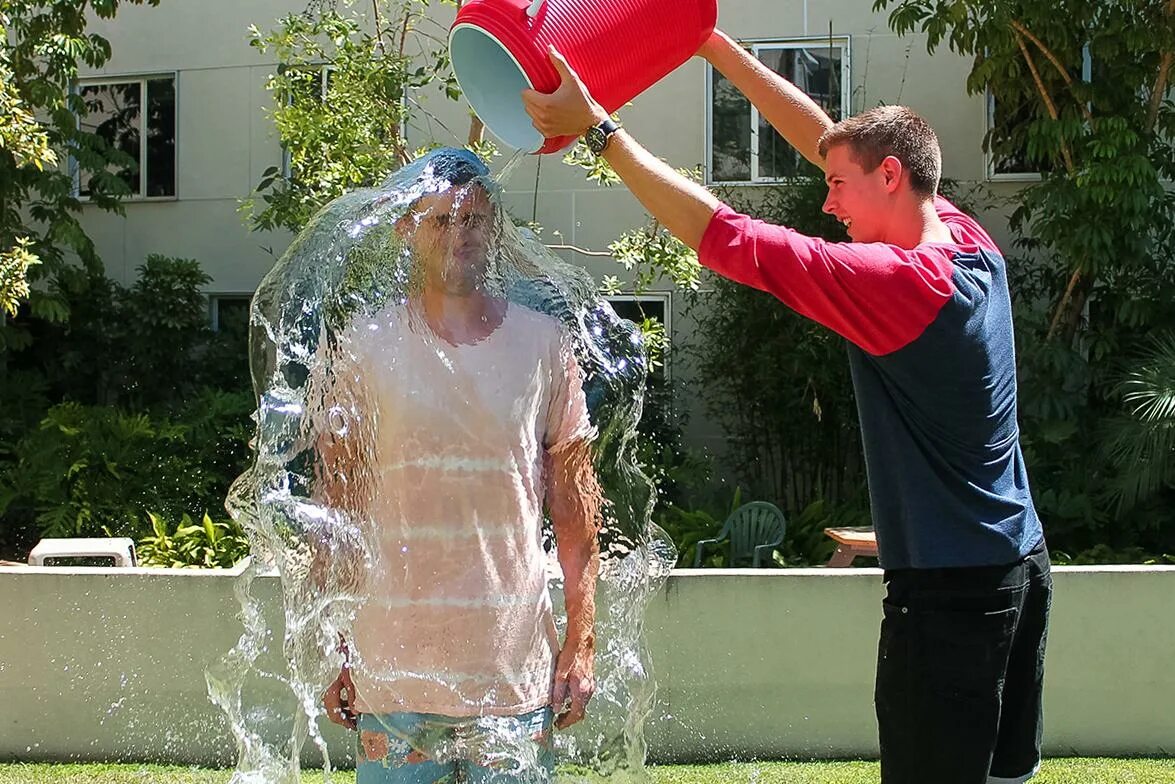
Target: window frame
{"type": "Point", "coordinates": [214, 299]}
{"type": "Point", "coordinates": [989, 124]}
{"type": "Point", "coordinates": [142, 79]}
{"type": "Point", "coordinates": [666, 300]}
{"type": "Point", "coordinates": [324, 70]}
{"type": "Point", "coordinates": [755, 46]}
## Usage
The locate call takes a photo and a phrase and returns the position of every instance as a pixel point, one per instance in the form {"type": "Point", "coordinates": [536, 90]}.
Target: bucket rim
{"type": "Point", "coordinates": [529, 82]}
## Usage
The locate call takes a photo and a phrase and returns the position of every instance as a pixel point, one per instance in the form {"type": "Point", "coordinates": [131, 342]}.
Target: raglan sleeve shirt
{"type": "Point", "coordinates": [879, 297]}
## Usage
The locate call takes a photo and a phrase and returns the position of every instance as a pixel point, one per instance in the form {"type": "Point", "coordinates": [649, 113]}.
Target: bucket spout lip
{"type": "Point", "coordinates": [491, 33]}
{"type": "Point", "coordinates": [501, 25]}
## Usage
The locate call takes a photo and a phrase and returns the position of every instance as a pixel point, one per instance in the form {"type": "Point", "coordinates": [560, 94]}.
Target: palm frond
{"type": "Point", "coordinates": [1140, 443]}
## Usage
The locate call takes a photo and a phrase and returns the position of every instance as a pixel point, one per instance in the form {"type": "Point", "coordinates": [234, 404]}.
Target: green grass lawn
{"type": "Point", "coordinates": [1056, 771]}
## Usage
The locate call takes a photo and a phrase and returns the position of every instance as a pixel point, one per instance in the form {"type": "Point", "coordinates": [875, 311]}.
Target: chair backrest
{"type": "Point", "coordinates": [754, 524]}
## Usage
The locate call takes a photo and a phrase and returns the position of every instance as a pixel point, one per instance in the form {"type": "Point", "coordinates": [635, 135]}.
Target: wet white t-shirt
{"type": "Point", "coordinates": [457, 618]}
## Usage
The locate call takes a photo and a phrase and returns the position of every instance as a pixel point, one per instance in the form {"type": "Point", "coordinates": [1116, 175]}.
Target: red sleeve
{"type": "Point", "coordinates": [963, 227]}
{"type": "Point", "coordinates": [879, 297]}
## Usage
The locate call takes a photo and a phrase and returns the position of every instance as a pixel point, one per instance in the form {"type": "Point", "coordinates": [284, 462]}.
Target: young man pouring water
{"type": "Point", "coordinates": [921, 296]}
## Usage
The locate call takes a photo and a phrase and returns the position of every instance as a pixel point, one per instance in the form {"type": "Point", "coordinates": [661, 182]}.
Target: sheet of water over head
{"type": "Point", "coordinates": [445, 424]}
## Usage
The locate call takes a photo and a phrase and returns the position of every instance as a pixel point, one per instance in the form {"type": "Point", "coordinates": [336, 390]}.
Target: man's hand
{"type": "Point", "coordinates": [339, 700]}
{"type": "Point", "coordinates": [575, 682]}
{"type": "Point", "coordinates": [569, 111]}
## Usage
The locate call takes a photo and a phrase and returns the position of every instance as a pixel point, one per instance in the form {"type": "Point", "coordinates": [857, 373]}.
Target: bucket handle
{"type": "Point", "coordinates": [533, 10]}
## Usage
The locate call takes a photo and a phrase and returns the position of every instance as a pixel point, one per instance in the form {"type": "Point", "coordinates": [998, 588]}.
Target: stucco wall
{"type": "Point", "coordinates": [109, 664]}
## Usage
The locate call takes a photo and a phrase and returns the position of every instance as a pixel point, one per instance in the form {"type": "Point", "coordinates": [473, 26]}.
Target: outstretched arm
{"type": "Point", "coordinates": [679, 204]}
{"type": "Point", "coordinates": [789, 109]}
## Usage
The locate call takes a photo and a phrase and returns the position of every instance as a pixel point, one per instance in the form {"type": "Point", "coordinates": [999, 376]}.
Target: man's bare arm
{"type": "Point", "coordinates": [682, 206]}
{"type": "Point", "coordinates": [679, 204]}
{"type": "Point", "coordinates": [574, 499]}
{"type": "Point", "coordinates": [341, 486]}
{"type": "Point", "coordinates": [789, 109]}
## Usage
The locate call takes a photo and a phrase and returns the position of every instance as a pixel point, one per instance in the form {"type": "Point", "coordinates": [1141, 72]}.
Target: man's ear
{"type": "Point", "coordinates": [892, 169]}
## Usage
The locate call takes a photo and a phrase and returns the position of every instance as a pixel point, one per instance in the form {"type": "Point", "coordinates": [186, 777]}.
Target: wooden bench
{"type": "Point", "coordinates": [851, 542]}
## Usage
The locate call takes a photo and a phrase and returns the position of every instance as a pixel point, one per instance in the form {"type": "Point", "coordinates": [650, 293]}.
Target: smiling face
{"type": "Point", "coordinates": [861, 200]}
{"type": "Point", "coordinates": [882, 167]}
{"type": "Point", "coordinates": [449, 233]}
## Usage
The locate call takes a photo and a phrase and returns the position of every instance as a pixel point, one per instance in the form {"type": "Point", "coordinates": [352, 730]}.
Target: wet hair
{"type": "Point", "coordinates": [874, 135]}
{"type": "Point", "coordinates": [456, 166]}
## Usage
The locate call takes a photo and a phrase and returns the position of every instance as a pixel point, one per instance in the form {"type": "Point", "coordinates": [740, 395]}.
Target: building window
{"type": "Point", "coordinates": [229, 313]}
{"type": "Point", "coordinates": [137, 117]}
{"type": "Point", "coordinates": [741, 146]}
{"type": "Point", "coordinates": [638, 308]}
{"type": "Point", "coordinates": [308, 87]}
{"type": "Point", "coordinates": [1010, 156]}
{"type": "Point", "coordinates": [228, 348]}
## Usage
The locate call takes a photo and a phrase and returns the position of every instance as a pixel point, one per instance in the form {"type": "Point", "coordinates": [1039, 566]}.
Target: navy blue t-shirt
{"type": "Point", "coordinates": [934, 368]}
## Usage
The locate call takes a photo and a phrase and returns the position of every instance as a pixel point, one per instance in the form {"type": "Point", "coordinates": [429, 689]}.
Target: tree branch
{"type": "Point", "coordinates": [376, 19]}
{"type": "Point", "coordinates": [404, 28]}
{"type": "Point", "coordinates": [1063, 305]}
{"type": "Point", "coordinates": [1048, 100]}
{"type": "Point", "coordinates": [1077, 278]}
{"type": "Point", "coordinates": [476, 130]}
{"type": "Point", "coordinates": [1152, 115]}
{"type": "Point", "coordinates": [1052, 58]}
{"type": "Point", "coordinates": [1160, 89]}
{"type": "Point", "coordinates": [582, 251]}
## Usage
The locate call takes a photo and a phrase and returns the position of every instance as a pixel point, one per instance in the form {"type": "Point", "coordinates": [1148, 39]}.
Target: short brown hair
{"type": "Point", "coordinates": [874, 135]}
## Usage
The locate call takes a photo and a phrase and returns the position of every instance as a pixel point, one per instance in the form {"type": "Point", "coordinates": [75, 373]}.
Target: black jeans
{"type": "Point", "coordinates": [960, 667]}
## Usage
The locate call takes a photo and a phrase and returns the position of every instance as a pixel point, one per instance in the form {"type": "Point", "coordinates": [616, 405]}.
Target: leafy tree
{"type": "Point", "coordinates": [1105, 144]}
{"type": "Point", "coordinates": [342, 93]}
{"type": "Point", "coordinates": [24, 141]}
{"type": "Point", "coordinates": [42, 44]}
{"type": "Point", "coordinates": [1085, 92]}
{"type": "Point", "coordinates": [133, 406]}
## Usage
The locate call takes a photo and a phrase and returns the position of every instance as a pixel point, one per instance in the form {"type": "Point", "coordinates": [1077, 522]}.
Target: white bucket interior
{"type": "Point", "coordinates": [492, 81]}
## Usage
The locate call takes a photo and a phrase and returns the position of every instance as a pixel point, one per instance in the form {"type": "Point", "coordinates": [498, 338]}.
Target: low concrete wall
{"type": "Point", "coordinates": [103, 664]}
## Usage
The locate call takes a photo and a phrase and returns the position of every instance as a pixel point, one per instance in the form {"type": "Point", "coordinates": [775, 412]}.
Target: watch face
{"type": "Point", "coordinates": [596, 140]}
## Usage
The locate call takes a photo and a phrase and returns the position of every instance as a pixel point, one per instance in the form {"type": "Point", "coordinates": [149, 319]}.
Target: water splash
{"type": "Point", "coordinates": [391, 494]}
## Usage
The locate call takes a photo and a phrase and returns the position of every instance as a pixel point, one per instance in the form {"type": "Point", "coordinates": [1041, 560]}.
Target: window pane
{"type": "Point", "coordinates": [232, 315]}
{"type": "Point", "coordinates": [730, 132]}
{"type": "Point", "coordinates": [228, 351]}
{"type": "Point", "coordinates": [161, 137]}
{"type": "Point", "coordinates": [306, 85]}
{"type": "Point", "coordinates": [817, 70]}
{"type": "Point", "coordinates": [639, 310]}
{"type": "Point", "coordinates": [113, 113]}
{"type": "Point", "coordinates": [1009, 138]}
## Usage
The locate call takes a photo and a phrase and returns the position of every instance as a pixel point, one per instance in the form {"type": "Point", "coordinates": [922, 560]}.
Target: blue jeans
{"type": "Point", "coordinates": [424, 748]}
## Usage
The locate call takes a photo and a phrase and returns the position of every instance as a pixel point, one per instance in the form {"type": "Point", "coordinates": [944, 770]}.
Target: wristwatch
{"type": "Point", "coordinates": [598, 135]}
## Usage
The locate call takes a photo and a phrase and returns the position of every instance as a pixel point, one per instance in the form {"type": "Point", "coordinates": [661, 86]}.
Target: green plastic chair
{"type": "Point", "coordinates": [754, 530]}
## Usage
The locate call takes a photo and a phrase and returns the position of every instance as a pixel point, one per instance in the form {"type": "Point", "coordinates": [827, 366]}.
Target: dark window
{"type": "Point", "coordinates": [637, 309]}
{"type": "Point", "coordinates": [230, 313]}
{"type": "Point", "coordinates": [115, 113]}
{"type": "Point", "coordinates": [743, 145]}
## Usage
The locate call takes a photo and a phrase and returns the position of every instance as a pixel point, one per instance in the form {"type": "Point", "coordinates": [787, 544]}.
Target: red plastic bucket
{"type": "Point", "coordinates": [619, 48]}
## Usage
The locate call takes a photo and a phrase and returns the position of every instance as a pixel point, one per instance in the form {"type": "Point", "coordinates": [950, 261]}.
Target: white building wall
{"type": "Point", "coordinates": [225, 139]}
